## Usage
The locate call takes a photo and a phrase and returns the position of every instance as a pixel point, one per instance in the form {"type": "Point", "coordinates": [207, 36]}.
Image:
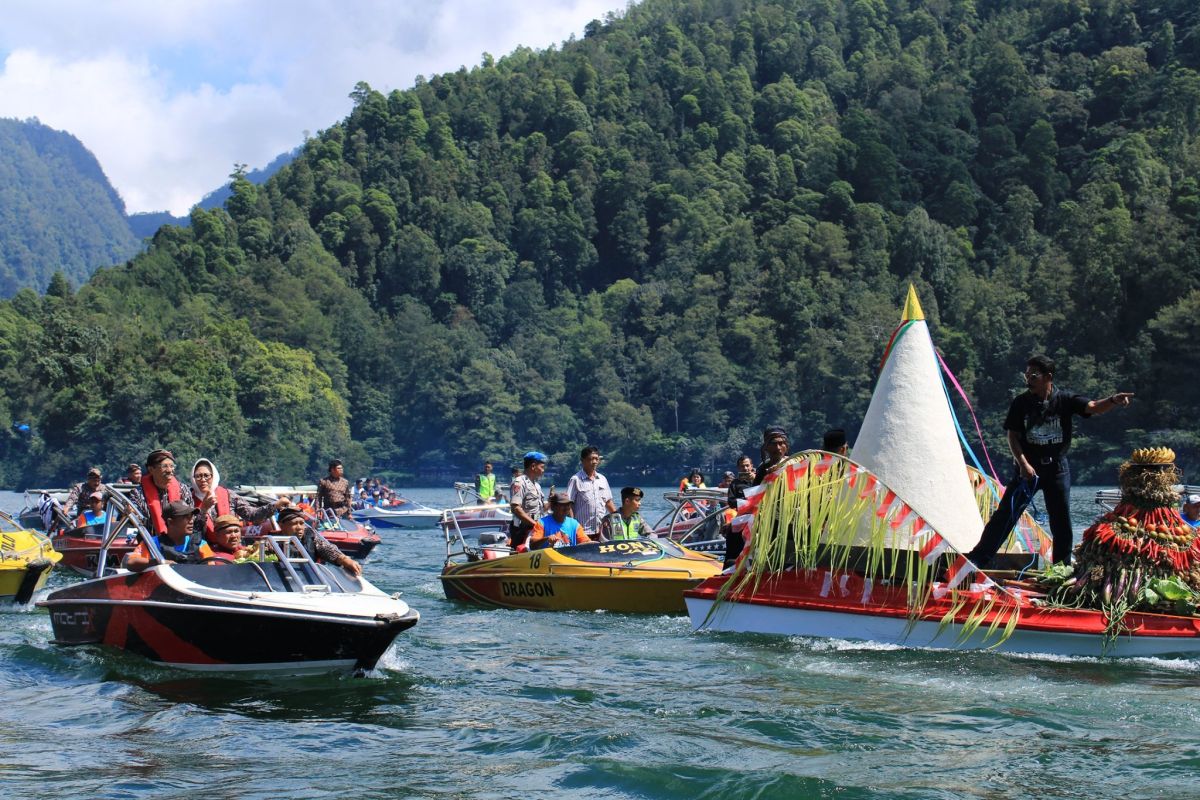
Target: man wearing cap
{"type": "Point", "coordinates": [1191, 510]}
{"type": "Point", "coordinates": [589, 492]}
{"type": "Point", "coordinates": [626, 522]}
{"type": "Point", "coordinates": [133, 474]}
{"type": "Point", "coordinates": [178, 543]}
{"type": "Point", "coordinates": [834, 441]}
{"type": "Point", "coordinates": [333, 491]}
{"type": "Point", "coordinates": [94, 514]}
{"type": "Point", "coordinates": [226, 538]}
{"type": "Point", "coordinates": [775, 449]}
{"type": "Point", "coordinates": [292, 523]}
{"type": "Point", "coordinates": [528, 502]}
{"type": "Point", "coordinates": [558, 528]}
{"type": "Point", "coordinates": [158, 488]}
{"type": "Point", "coordinates": [77, 499]}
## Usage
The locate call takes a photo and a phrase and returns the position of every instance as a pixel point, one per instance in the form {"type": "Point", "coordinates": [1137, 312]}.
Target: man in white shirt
{"type": "Point", "coordinates": [590, 493]}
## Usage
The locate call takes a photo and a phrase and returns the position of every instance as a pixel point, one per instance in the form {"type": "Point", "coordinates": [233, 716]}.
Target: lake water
{"type": "Point", "coordinates": [509, 704]}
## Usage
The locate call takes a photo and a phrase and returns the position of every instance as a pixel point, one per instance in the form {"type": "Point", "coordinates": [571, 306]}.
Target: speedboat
{"type": "Point", "coordinates": [354, 538]}
{"type": "Point", "coordinates": [79, 546]}
{"type": "Point", "coordinates": [645, 576]}
{"type": "Point", "coordinates": [474, 515]}
{"type": "Point", "coordinates": [408, 514]}
{"type": "Point", "coordinates": [26, 558]}
{"type": "Point", "coordinates": [694, 519]}
{"type": "Point", "coordinates": [278, 611]}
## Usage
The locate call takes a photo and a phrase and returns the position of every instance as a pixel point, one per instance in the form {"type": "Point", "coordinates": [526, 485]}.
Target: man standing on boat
{"type": "Point", "coordinates": [333, 491]}
{"type": "Point", "coordinates": [1039, 434]}
{"type": "Point", "coordinates": [77, 499]}
{"type": "Point", "coordinates": [589, 492]}
{"type": "Point", "coordinates": [485, 484]}
{"type": "Point", "coordinates": [528, 501]}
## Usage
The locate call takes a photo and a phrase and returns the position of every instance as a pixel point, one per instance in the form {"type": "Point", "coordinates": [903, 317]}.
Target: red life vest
{"type": "Point", "coordinates": [154, 505]}
{"type": "Point", "coordinates": [222, 508]}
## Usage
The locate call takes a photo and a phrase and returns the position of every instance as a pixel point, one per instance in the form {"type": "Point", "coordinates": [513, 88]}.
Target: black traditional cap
{"type": "Point", "coordinates": [337, 462]}
{"type": "Point", "coordinates": [158, 456]}
{"type": "Point", "coordinates": [834, 440]}
{"type": "Point", "coordinates": [177, 508]}
{"type": "Point", "coordinates": [774, 432]}
{"type": "Point", "coordinates": [95, 471]}
{"type": "Point", "coordinates": [289, 513]}
{"type": "Point", "coordinates": [632, 491]}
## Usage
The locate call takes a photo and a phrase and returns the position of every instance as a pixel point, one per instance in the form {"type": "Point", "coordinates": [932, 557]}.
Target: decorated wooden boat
{"type": "Point", "coordinates": [871, 548]}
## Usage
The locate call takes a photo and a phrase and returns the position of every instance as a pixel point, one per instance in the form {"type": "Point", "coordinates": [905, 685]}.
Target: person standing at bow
{"type": "Point", "coordinates": [1039, 434]}
{"type": "Point", "coordinates": [485, 484]}
{"type": "Point", "coordinates": [333, 491]}
{"type": "Point", "coordinates": [589, 492]}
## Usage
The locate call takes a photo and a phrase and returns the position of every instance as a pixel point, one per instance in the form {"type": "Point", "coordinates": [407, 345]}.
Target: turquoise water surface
{"type": "Point", "coordinates": [510, 704]}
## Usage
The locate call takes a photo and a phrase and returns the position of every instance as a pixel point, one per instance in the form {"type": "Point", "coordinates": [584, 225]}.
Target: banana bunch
{"type": "Point", "coordinates": [1153, 455]}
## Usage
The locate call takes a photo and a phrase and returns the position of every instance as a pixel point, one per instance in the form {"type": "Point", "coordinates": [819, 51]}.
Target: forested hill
{"type": "Point", "coordinates": [698, 219]}
{"type": "Point", "coordinates": [58, 211]}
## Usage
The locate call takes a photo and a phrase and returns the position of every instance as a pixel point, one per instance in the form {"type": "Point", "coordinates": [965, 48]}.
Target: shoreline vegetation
{"type": "Point", "coordinates": [694, 221]}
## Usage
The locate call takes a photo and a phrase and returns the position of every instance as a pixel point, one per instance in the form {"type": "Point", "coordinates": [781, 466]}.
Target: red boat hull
{"type": "Point", "coordinates": [821, 603]}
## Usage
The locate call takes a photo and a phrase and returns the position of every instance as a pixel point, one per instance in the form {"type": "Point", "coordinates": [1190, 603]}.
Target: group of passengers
{"type": "Point", "coordinates": [200, 521]}
{"type": "Point", "coordinates": [585, 512]}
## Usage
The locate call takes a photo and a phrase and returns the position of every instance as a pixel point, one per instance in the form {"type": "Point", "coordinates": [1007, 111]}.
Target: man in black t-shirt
{"type": "Point", "coordinates": [1039, 435]}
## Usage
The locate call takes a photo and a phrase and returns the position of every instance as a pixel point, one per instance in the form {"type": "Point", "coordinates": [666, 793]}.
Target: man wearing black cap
{"type": "Point", "coordinates": [333, 491]}
{"type": "Point", "coordinates": [133, 474]}
{"type": "Point", "coordinates": [76, 502]}
{"type": "Point", "coordinates": [179, 544]}
{"type": "Point", "coordinates": [774, 451]}
{"type": "Point", "coordinates": [292, 523]}
{"type": "Point", "coordinates": [158, 488]}
{"type": "Point", "coordinates": [834, 441]}
{"type": "Point", "coordinates": [626, 522]}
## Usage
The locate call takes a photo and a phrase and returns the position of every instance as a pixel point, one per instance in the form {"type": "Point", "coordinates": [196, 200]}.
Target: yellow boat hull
{"type": "Point", "coordinates": [644, 576]}
{"type": "Point", "coordinates": [26, 559]}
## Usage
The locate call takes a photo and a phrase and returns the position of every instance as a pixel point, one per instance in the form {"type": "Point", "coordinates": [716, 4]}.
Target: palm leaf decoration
{"type": "Point", "coordinates": [820, 510]}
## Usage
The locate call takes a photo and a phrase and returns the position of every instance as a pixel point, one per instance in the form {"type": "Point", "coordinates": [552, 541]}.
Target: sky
{"type": "Point", "coordinates": [170, 94]}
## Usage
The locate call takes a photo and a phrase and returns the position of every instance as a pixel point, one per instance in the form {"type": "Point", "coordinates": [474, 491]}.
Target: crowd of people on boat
{"type": "Point", "coordinates": [201, 521]}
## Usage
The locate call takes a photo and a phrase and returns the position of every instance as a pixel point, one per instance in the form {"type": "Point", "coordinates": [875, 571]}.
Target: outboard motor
{"type": "Point", "coordinates": [493, 544]}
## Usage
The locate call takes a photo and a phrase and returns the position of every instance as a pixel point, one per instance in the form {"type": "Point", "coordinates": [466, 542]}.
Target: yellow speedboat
{"type": "Point", "coordinates": [645, 576]}
{"type": "Point", "coordinates": [26, 558]}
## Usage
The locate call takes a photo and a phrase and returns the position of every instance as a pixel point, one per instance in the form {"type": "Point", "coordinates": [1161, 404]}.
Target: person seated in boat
{"type": "Point", "coordinates": [333, 491]}
{"type": "Point", "coordinates": [133, 474]}
{"type": "Point", "coordinates": [292, 523]}
{"type": "Point", "coordinates": [178, 543]}
{"type": "Point", "coordinates": [1039, 426]}
{"type": "Point", "coordinates": [558, 528]}
{"type": "Point", "coordinates": [94, 514]}
{"type": "Point", "coordinates": [77, 499]}
{"type": "Point", "coordinates": [626, 522]}
{"type": "Point", "coordinates": [159, 487]}
{"type": "Point", "coordinates": [1191, 510]}
{"type": "Point", "coordinates": [214, 500]}
{"type": "Point", "coordinates": [726, 480]}
{"type": "Point", "coordinates": [225, 540]}
{"type": "Point", "coordinates": [834, 441]}
{"type": "Point", "coordinates": [528, 502]}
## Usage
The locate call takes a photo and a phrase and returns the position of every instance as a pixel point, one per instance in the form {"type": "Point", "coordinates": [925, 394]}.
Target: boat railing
{"type": "Point", "coordinates": [290, 552]}
{"type": "Point", "coordinates": [616, 568]}
{"type": "Point", "coordinates": [121, 517]}
{"type": "Point", "coordinates": [468, 495]}
{"type": "Point", "coordinates": [694, 509]}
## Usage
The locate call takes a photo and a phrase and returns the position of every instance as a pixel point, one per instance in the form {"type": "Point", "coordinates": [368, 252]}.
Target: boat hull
{"type": "Point", "coordinates": [173, 621]}
{"type": "Point", "coordinates": [383, 519]}
{"type": "Point", "coordinates": [591, 577]}
{"type": "Point", "coordinates": [80, 552]}
{"type": "Point", "coordinates": [824, 605]}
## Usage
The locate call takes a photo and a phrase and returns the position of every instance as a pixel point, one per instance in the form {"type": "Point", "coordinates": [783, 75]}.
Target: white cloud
{"type": "Point", "coordinates": [170, 95]}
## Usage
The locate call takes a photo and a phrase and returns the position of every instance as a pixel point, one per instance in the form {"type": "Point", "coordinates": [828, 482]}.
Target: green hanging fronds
{"type": "Point", "coordinates": [821, 510]}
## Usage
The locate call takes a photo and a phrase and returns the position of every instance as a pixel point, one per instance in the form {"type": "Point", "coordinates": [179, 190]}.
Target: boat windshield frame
{"type": "Point", "coordinates": [678, 500]}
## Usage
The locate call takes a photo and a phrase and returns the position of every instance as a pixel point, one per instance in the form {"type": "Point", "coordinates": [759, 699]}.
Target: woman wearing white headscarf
{"type": "Point", "coordinates": [214, 500]}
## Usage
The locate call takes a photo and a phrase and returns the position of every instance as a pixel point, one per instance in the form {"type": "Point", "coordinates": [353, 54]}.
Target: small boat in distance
{"type": "Point", "coordinates": [277, 611]}
{"type": "Point", "coordinates": [407, 514]}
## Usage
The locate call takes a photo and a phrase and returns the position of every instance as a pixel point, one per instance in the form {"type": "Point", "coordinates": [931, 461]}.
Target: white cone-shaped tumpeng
{"type": "Point", "coordinates": [908, 438]}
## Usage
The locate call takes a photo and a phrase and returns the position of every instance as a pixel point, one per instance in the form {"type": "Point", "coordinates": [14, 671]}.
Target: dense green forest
{"type": "Point", "coordinates": [698, 219]}
{"type": "Point", "coordinates": [58, 211]}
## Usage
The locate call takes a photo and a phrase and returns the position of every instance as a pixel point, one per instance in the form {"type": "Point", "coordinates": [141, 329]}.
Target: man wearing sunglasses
{"type": "Point", "coordinates": [1039, 434]}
